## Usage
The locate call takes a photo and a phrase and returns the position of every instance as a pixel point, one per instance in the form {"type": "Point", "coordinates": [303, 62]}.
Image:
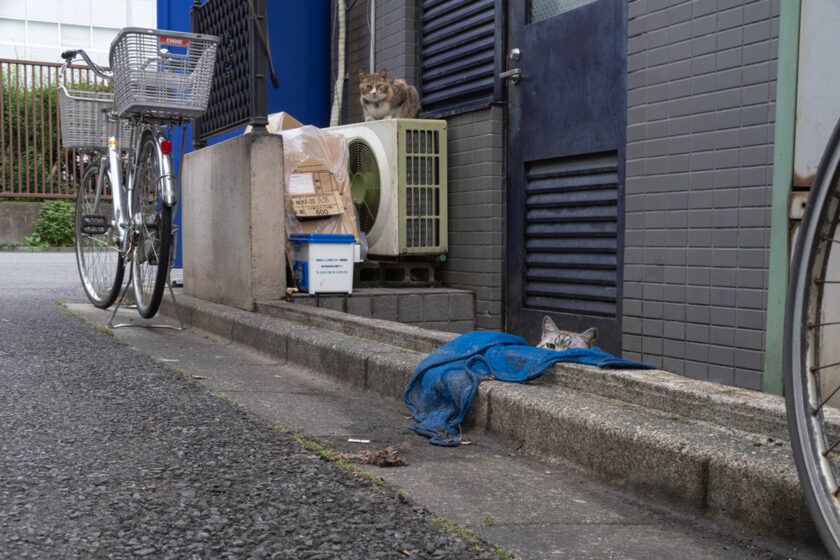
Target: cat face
{"type": "Point", "coordinates": [558, 340]}
{"type": "Point", "coordinates": [374, 87]}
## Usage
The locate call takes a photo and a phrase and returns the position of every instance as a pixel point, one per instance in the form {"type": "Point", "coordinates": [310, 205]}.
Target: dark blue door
{"type": "Point", "coordinates": [567, 120]}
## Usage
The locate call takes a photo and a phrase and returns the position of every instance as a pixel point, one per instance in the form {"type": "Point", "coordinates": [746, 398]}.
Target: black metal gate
{"type": "Point", "coordinates": [240, 90]}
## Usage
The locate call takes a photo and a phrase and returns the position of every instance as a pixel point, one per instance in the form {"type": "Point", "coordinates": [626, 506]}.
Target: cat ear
{"type": "Point", "coordinates": [383, 73]}
{"type": "Point", "coordinates": [362, 74]}
{"type": "Point", "coordinates": [590, 336]}
{"type": "Point", "coordinates": [549, 326]}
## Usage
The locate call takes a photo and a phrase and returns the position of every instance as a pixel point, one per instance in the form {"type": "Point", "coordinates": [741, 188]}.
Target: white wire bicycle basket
{"type": "Point", "coordinates": [165, 75]}
{"type": "Point", "coordinates": [84, 119]}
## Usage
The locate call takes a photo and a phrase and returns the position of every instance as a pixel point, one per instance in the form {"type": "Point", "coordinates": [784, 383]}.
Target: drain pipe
{"type": "Point", "coordinates": [372, 36]}
{"type": "Point", "coordinates": [339, 81]}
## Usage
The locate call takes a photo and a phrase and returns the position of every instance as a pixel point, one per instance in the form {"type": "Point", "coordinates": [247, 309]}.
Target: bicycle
{"type": "Point", "coordinates": [811, 351]}
{"type": "Point", "coordinates": [127, 194]}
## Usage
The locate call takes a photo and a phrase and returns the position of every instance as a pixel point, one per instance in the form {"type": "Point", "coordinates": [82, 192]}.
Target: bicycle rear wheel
{"type": "Point", "coordinates": [153, 222]}
{"type": "Point", "coordinates": [97, 239]}
{"type": "Point", "coordinates": [812, 354]}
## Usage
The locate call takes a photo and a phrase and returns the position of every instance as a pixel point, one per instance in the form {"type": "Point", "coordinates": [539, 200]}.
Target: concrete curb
{"type": "Point", "coordinates": [722, 451]}
{"type": "Point", "coordinates": [28, 249]}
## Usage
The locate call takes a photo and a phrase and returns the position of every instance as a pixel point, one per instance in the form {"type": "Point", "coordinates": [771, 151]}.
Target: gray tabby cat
{"type": "Point", "coordinates": [387, 99]}
{"type": "Point", "coordinates": [557, 340]}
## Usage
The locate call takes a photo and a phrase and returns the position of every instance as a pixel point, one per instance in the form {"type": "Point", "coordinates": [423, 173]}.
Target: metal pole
{"type": "Point", "coordinates": [783, 145]}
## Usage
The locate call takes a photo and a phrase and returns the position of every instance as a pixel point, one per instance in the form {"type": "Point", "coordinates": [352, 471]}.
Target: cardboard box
{"type": "Point", "coordinates": [317, 205]}
{"type": "Point", "coordinates": [315, 192]}
{"type": "Point", "coordinates": [277, 122]}
{"type": "Point", "coordinates": [316, 183]}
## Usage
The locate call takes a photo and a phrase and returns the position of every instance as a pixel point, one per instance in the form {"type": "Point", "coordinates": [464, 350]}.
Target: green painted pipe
{"type": "Point", "coordinates": [773, 381]}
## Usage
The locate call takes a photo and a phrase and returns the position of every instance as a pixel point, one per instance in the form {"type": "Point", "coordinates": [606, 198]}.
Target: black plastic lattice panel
{"type": "Point", "coordinates": [239, 94]}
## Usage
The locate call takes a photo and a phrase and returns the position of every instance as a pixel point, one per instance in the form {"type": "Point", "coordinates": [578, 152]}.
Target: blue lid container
{"type": "Point", "coordinates": [321, 238]}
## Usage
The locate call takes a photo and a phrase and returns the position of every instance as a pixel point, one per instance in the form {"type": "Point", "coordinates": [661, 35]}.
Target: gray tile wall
{"type": "Point", "coordinates": [701, 93]}
{"type": "Point", "coordinates": [477, 211]}
{"type": "Point", "coordinates": [396, 39]}
{"type": "Point", "coordinates": [357, 55]}
{"type": "Point", "coordinates": [476, 156]}
{"type": "Point", "coordinates": [396, 48]}
{"type": "Point", "coordinates": [440, 309]}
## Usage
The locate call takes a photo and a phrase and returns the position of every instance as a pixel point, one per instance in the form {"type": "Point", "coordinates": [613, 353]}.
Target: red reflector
{"type": "Point", "coordinates": [166, 147]}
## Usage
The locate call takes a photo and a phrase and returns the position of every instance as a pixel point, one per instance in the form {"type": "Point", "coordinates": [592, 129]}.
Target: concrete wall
{"type": "Point", "coordinates": [17, 220]}
{"type": "Point", "coordinates": [701, 91]}
{"type": "Point", "coordinates": [234, 221]}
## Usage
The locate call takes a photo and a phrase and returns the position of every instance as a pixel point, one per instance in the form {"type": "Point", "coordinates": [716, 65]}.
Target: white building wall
{"type": "Point", "coordinates": [41, 29]}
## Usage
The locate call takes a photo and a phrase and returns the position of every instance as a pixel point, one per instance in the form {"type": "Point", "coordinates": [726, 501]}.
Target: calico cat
{"type": "Point", "coordinates": [558, 340]}
{"type": "Point", "coordinates": [382, 98]}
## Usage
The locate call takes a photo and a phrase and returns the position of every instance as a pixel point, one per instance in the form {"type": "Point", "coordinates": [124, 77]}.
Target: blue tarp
{"type": "Point", "coordinates": [441, 392]}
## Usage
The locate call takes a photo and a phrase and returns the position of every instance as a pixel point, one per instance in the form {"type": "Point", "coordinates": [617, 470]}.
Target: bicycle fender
{"type": "Point", "coordinates": [167, 187]}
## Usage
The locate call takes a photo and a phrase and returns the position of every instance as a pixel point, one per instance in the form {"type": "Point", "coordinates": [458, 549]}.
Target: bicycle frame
{"type": "Point", "coordinates": [111, 163]}
{"type": "Point", "coordinates": [123, 207]}
{"type": "Point", "coordinates": [153, 90]}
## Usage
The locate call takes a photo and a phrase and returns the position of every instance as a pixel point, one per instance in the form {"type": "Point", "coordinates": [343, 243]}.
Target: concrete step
{"type": "Point", "coordinates": [439, 309]}
{"type": "Point", "coordinates": [721, 451]}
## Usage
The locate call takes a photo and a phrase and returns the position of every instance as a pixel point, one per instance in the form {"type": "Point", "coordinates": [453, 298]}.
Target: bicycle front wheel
{"type": "Point", "coordinates": [97, 239]}
{"type": "Point", "coordinates": [812, 355]}
{"type": "Point", "coordinates": [153, 224]}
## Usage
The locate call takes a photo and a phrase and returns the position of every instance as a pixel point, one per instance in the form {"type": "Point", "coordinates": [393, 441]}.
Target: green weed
{"type": "Point", "coordinates": [328, 454]}
{"type": "Point", "coordinates": [469, 537]}
{"type": "Point", "coordinates": [54, 226]}
{"type": "Point", "coordinates": [101, 328]}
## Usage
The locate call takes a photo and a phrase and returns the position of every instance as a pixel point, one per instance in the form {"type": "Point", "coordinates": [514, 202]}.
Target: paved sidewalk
{"type": "Point", "coordinates": [536, 509]}
{"type": "Point", "coordinates": [719, 450]}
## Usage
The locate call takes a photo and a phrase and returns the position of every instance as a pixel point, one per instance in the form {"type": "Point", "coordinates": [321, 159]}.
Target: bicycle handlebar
{"type": "Point", "coordinates": [68, 57]}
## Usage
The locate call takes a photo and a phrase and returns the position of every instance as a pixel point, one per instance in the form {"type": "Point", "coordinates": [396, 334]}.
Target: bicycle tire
{"type": "Point", "coordinates": [150, 261]}
{"type": "Point", "coordinates": [97, 240]}
{"type": "Point", "coordinates": [812, 371]}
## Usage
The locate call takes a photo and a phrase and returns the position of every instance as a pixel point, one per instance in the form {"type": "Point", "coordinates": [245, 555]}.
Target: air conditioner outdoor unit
{"type": "Point", "coordinates": [397, 170]}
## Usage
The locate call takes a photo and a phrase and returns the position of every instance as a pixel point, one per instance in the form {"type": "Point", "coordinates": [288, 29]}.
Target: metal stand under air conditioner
{"type": "Point", "coordinates": [130, 282]}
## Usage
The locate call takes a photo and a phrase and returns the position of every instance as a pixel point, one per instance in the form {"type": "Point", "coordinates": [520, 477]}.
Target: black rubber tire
{"type": "Point", "coordinates": [98, 256]}
{"type": "Point", "coordinates": [150, 262]}
{"type": "Point", "coordinates": [808, 371]}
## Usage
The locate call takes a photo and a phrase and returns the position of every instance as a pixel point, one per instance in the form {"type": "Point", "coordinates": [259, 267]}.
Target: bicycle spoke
{"type": "Point", "coordinates": [153, 222]}
{"type": "Point", "coordinates": [98, 255]}
{"type": "Point", "coordinates": [830, 449]}
{"type": "Point", "coordinates": [819, 368]}
{"type": "Point", "coordinates": [100, 242]}
{"type": "Point", "coordinates": [825, 401]}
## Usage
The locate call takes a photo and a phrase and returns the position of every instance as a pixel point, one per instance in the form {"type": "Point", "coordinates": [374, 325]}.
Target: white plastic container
{"type": "Point", "coordinates": [323, 263]}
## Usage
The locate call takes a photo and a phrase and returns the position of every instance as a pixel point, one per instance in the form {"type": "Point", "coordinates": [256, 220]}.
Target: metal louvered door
{"type": "Point", "coordinates": [566, 76]}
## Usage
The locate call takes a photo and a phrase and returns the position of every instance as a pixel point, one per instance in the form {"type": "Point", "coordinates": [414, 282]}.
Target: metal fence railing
{"type": "Point", "coordinates": [32, 161]}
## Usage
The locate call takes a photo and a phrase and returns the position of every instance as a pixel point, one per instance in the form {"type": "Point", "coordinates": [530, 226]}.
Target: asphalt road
{"type": "Point", "coordinates": [106, 453]}
{"type": "Point", "coordinates": [107, 450]}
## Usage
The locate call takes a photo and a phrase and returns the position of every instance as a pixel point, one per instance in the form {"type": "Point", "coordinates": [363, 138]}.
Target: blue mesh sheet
{"type": "Point", "coordinates": [441, 392]}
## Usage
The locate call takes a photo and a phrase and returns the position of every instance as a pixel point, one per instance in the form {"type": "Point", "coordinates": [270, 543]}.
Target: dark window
{"type": "Point", "coordinates": [460, 46]}
{"type": "Point", "coordinates": [539, 10]}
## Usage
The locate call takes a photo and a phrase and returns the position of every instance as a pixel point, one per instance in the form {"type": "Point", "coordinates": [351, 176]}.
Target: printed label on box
{"type": "Point", "coordinates": [301, 183]}
{"type": "Point", "coordinates": [317, 206]}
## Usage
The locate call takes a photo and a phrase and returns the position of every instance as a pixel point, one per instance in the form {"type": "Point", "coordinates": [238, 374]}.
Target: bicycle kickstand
{"type": "Point", "coordinates": [130, 282]}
